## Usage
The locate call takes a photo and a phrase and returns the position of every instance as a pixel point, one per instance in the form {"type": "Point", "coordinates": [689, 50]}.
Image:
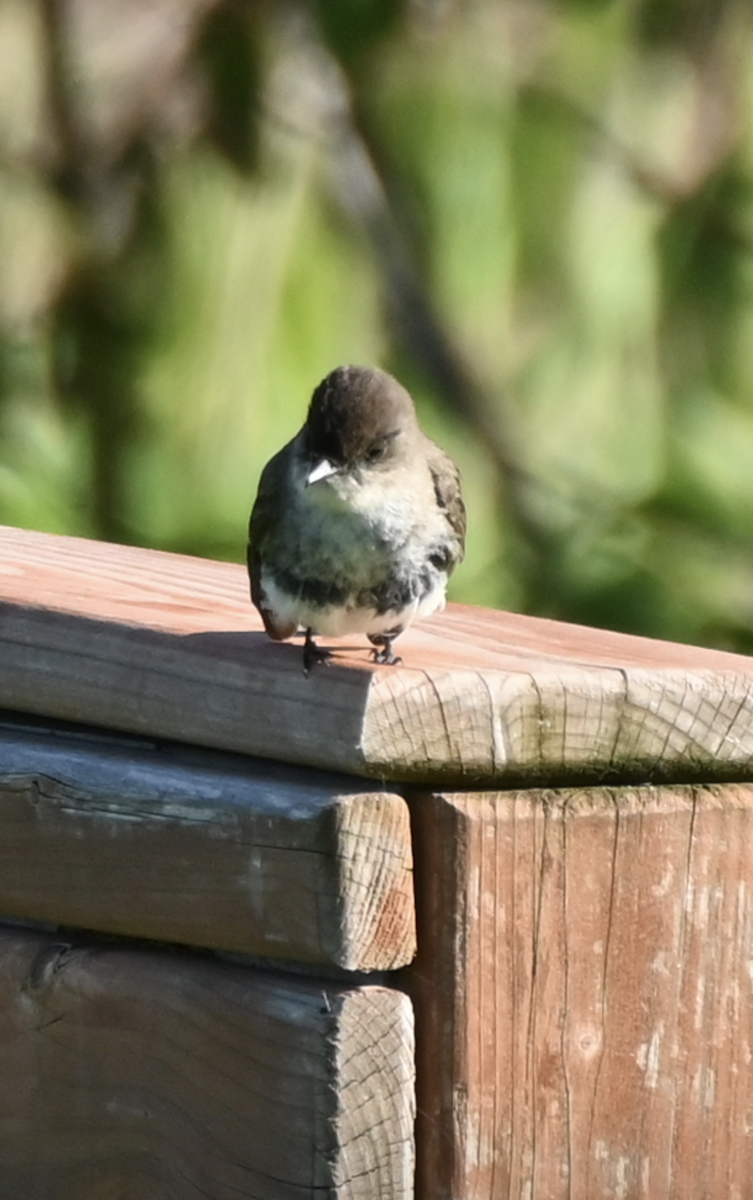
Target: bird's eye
{"type": "Point", "coordinates": [375, 452]}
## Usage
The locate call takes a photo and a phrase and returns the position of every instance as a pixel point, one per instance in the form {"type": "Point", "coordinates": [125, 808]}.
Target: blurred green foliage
{"type": "Point", "coordinates": [538, 215]}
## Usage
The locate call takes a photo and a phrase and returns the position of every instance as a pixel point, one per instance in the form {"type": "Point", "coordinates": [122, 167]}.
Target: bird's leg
{"type": "Point", "coordinates": [382, 643]}
{"type": "Point", "coordinates": [313, 654]}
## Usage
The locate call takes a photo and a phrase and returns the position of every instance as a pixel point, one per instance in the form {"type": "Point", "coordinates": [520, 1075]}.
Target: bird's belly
{"type": "Point", "coordinates": [351, 614]}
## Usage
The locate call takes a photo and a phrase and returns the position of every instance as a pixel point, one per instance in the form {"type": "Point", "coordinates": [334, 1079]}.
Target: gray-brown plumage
{"type": "Point", "coordinates": [359, 521]}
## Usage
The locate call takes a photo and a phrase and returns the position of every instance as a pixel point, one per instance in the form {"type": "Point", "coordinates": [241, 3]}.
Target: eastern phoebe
{"type": "Point", "coordinates": [358, 522]}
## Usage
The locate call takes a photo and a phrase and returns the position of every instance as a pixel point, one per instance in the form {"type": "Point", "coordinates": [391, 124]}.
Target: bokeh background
{"type": "Point", "coordinates": [537, 213]}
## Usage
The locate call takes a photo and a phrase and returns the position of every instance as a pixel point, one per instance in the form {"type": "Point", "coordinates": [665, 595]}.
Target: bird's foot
{"type": "Point", "coordinates": [386, 656]}
{"type": "Point", "coordinates": [313, 654]}
{"type": "Point", "coordinates": [383, 652]}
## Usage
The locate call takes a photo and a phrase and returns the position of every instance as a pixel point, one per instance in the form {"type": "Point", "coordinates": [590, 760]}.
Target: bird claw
{"type": "Point", "coordinates": [385, 655]}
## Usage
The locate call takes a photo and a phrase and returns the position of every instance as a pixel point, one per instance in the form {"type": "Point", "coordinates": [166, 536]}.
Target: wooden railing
{"type": "Point", "coordinates": [582, 901]}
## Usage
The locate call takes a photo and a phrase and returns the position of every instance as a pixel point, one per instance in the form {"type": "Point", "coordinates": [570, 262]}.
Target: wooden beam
{"type": "Point", "coordinates": [212, 850]}
{"type": "Point", "coordinates": [125, 1073]}
{"type": "Point", "coordinates": [169, 646]}
{"type": "Point", "coordinates": [583, 994]}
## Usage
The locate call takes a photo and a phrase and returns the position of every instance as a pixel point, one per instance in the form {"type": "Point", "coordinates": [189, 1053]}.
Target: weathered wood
{"type": "Point", "coordinates": [583, 994]}
{"type": "Point", "coordinates": [137, 1076]}
{"type": "Point", "coordinates": [211, 850]}
{"type": "Point", "coordinates": [170, 646]}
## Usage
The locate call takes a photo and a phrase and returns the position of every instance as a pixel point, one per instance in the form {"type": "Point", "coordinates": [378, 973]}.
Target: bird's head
{"type": "Point", "coordinates": [360, 421]}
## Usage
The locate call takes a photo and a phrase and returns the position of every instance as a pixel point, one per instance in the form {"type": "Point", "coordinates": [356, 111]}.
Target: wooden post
{"type": "Point", "coordinates": [585, 1002]}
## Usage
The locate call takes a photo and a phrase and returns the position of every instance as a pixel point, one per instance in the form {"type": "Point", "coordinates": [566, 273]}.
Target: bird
{"type": "Point", "coordinates": [358, 522]}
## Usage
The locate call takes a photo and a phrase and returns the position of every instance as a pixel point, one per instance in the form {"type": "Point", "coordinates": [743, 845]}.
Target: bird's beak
{"type": "Point", "coordinates": [323, 470]}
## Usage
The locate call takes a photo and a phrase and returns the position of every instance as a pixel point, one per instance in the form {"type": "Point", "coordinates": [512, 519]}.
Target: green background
{"type": "Point", "coordinates": [539, 216]}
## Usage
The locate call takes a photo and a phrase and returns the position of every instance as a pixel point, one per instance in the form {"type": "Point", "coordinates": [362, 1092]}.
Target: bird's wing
{"type": "Point", "coordinates": [446, 479]}
{"type": "Point", "coordinates": [265, 516]}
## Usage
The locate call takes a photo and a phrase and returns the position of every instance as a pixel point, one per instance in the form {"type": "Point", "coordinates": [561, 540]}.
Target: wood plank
{"type": "Point", "coordinates": [583, 994]}
{"type": "Point", "coordinates": [169, 646]}
{"type": "Point", "coordinates": [212, 850]}
{"type": "Point", "coordinates": [140, 1076]}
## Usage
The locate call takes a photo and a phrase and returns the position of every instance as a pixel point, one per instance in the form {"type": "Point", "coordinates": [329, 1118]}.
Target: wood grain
{"type": "Point", "coordinates": [212, 850]}
{"type": "Point", "coordinates": [583, 994]}
{"type": "Point", "coordinates": [133, 1076]}
{"type": "Point", "coordinates": [169, 646]}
